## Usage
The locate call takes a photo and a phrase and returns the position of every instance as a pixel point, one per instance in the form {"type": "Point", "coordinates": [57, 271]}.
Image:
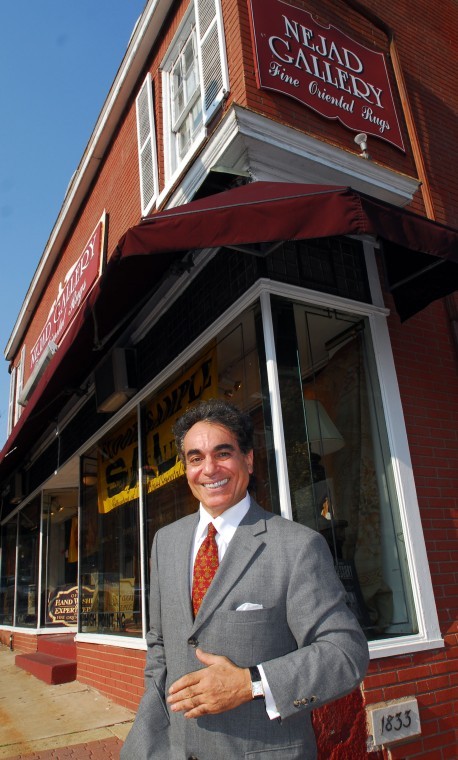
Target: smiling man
{"type": "Point", "coordinates": [249, 629]}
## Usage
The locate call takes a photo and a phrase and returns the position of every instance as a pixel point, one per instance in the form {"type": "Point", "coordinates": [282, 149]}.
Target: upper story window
{"type": "Point", "coordinates": [195, 81]}
{"type": "Point", "coordinates": [185, 99]}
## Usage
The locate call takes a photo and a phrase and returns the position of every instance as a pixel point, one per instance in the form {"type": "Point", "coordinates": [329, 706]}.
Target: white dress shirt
{"type": "Point", "coordinates": [226, 524]}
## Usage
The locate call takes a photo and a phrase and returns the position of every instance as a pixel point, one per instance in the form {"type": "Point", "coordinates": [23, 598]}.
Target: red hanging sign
{"type": "Point", "coordinates": [71, 293]}
{"type": "Point", "coordinates": [324, 69]}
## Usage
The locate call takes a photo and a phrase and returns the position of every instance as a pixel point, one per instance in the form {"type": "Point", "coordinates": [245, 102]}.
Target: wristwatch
{"type": "Point", "coordinates": [257, 689]}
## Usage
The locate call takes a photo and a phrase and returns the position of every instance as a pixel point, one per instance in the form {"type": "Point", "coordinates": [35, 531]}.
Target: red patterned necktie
{"type": "Point", "coordinates": [205, 567]}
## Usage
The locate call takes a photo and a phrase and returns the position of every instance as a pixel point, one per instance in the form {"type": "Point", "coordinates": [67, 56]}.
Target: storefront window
{"type": "Point", "coordinates": [110, 559]}
{"type": "Point", "coordinates": [230, 368]}
{"type": "Point", "coordinates": [339, 466]}
{"type": "Point", "coordinates": [27, 565]}
{"type": "Point", "coordinates": [60, 558]}
{"type": "Point", "coordinates": [7, 571]}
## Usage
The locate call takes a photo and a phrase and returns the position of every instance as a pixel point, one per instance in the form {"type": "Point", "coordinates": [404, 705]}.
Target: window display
{"type": "Point", "coordinates": [110, 559]}
{"type": "Point", "coordinates": [60, 558]}
{"type": "Point", "coordinates": [339, 468]}
{"type": "Point", "coordinates": [8, 571]}
{"type": "Point", "coordinates": [27, 565]}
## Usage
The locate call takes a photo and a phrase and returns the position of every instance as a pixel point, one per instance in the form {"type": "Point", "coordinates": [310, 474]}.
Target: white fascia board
{"type": "Point", "coordinates": [247, 141]}
{"type": "Point", "coordinates": [143, 38]}
{"type": "Point", "coordinates": [280, 151]}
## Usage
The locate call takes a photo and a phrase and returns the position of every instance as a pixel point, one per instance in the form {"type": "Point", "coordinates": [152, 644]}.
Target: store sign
{"type": "Point", "coordinates": [117, 467]}
{"type": "Point", "coordinates": [323, 69]}
{"type": "Point", "coordinates": [63, 604]}
{"type": "Point", "coordinates": [71, 294]}
{"type": "Point", "coordinates": [118, 453]}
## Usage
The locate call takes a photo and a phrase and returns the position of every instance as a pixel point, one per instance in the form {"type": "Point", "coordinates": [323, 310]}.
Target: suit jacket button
{"type": "Point", "coordinates": [193, 642]}
{"type": "Point", "coordinates": [297, 703]}
{"type": "Point", "coordinates": [313, 699]}
{"type": "Point", "coordinates": [304, 701]}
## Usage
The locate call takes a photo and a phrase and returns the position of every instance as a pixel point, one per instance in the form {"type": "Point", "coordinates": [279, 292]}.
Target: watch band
{"type": "Point", "coordinates": [257, 689]}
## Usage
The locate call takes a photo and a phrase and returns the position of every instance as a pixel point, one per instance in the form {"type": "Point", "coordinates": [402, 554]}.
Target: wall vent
{"type": "Point", "coordinates": [115, 379]}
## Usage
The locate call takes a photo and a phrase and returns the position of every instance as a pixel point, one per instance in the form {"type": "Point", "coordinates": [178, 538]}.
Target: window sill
{"type": "Point", "coordinates": [126, 642]}
{"type": "Point", "coordinates": [403, 645]}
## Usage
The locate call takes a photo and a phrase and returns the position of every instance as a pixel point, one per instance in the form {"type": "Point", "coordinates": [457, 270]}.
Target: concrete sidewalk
{"type": "Point", "coordinates": [40, 722]}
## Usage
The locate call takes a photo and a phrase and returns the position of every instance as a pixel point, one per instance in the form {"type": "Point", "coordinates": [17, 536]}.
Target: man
{"type": "Point", "coordinates": [237, 676]}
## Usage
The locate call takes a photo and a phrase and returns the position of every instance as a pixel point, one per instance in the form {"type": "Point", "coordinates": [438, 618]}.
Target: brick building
{"type": "Point", "coordinates": [312, 282]}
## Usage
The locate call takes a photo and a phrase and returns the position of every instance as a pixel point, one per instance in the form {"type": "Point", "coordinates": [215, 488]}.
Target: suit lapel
{"type": "Point", "coordinates": [183, 548]}
{"type": "Point", "coordinates": [247, 542]}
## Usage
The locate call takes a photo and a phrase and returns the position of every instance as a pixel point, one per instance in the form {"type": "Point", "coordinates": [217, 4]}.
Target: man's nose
{"type": "Point", "coordinates": [209, 465]}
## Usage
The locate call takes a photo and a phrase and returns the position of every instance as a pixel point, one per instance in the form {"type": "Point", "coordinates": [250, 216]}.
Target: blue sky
{"type": "Point", "coordinates": [57, 62]}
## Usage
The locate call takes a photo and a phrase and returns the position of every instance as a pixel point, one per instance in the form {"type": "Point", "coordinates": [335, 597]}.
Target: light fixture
{"type": "Point", "coordinates": [323, 436]}
{"type": "Point", "coordinates": [361, 140]}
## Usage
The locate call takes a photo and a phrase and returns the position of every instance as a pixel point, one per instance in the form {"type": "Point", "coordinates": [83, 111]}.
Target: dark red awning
{"type": "Point", "coordinates": [420, 255]}
{"type": "Point", "coordinates": [269, 211]}
{"type": "Point", "coordinates": [421, 261]}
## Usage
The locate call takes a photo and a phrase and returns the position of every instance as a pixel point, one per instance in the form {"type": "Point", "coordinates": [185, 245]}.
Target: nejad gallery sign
{"type": "Point", "coordinates": [71, 293]}
{"type": "Point", "coordinates": [323, 69]}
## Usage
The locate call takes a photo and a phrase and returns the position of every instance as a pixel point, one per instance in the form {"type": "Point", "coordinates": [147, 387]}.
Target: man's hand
{"type": "Point", "coordinates": [218, 687]}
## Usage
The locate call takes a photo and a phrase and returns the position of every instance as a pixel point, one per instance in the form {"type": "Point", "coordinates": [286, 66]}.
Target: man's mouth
{"type": "Point", "coordinates": [217, 484]}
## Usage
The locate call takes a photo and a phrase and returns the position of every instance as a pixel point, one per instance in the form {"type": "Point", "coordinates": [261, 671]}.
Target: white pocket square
{"type": "Point", "coordinates": [249, 606]}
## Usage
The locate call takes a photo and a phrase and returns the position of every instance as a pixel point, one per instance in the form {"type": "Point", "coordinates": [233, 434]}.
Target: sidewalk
{"type": "Point", "coordinates": [40, 722]}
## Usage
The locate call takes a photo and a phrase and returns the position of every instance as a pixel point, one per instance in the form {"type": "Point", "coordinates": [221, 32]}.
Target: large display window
{"type": "Point", "coordinates": [60, 558]}
{"type": "Point", "coordinates": [339, 466]}
{"type": "Point", "coordinates": [27, 565]}
{"type": "Point", "coordinates": [8, 571]}
{"type": "Point", "coordinates": [110, 543]}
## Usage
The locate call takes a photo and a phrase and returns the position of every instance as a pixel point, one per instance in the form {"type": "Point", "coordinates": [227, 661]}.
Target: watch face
{"type": "Point", "coordinates": [257, 690]}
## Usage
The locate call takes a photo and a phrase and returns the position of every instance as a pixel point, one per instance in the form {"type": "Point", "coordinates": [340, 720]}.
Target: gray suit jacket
{"type": "Point", "coordinates": [309, 643]}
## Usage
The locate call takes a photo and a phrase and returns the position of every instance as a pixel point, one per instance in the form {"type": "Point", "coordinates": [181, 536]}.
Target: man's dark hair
{"type": "Point", "coordinates": [216, 412]}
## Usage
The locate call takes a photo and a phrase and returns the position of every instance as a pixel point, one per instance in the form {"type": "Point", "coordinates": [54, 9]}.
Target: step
{"type": "Point", "coordinates": [47, 667]}
{"type": "Point", "coordinates": [59, 645]}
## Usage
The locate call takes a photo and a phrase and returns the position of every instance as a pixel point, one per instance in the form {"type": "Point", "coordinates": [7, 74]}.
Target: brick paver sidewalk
{"type": "Point", "coordinates": [105, 749]}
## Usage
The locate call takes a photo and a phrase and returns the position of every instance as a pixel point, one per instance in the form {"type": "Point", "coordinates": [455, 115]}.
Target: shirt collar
{"type": "Point", "coordinates": [227, 523]}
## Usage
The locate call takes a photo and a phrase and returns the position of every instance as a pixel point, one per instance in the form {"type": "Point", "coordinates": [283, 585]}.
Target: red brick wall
{"type": "Point", "coordinates": [114, 671]}
{"type": "Point", "coordinates": [22, 642]}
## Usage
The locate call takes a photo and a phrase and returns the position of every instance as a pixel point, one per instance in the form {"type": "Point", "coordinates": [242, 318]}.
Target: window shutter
{"type": "Point", "coordinates": [147, 154]}
{"type": "Point", "coordinates": [12, 401]}
{"type": "Point", "coordinates": [213, 67]}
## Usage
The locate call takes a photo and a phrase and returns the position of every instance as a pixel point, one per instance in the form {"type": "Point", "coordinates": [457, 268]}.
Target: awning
{"type": "Point", "coordinates": [421, 261]}
{"type": "Point", "coordinates": [420, 255]}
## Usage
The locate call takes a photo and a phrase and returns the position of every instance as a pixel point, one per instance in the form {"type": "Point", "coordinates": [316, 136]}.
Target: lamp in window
{"type": "Point", "coordinates": [323, 436]}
